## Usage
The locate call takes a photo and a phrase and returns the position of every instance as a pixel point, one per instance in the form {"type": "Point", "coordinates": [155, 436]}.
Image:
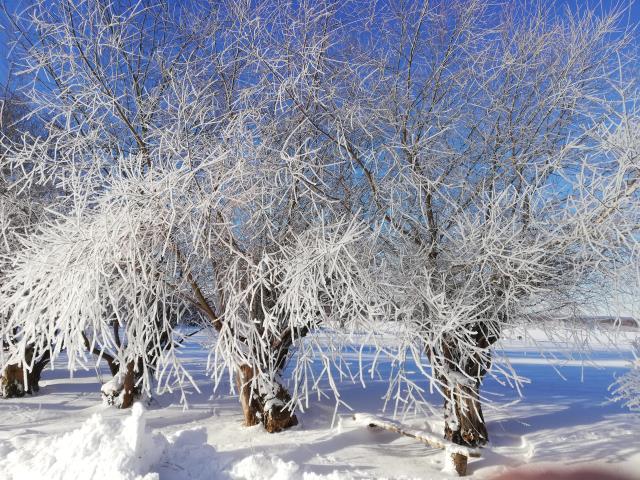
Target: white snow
{"type": "Point", "coordinates": [97, 449]}
{"type": "Point", "coordinates": [110, 450]}
{"type": "Point", "coordinates": [65, 433]}
{"type": "Point", "coordinates": [261, 467]}
{"type": "Point", "coordinates": [112, 391]}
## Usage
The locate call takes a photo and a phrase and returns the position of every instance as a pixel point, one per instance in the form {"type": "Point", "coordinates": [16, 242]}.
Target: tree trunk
{"type": "Point", "coordinates": [464, 422]}
{"type": "Point", "coordinates": [463, 419]}
{"type": "Point", "coordinates": [12, 382]}
{"type": "Point", "coordinates": [257, 408]}
{"type": "Point", "coordinates": [250, 407]}
{"type": "Point", "coordinates": [33, 377]}
{"type": "Point", "coordinates": [123, 388]}
{"type": "Point", "coordinates": [276, 417]}
{"type": "Point", "coordinates": [461, 376]}
{"type": "Point", "coordinates": [129, 386]}
{"type": "Point", "coordinates": [13, 377]}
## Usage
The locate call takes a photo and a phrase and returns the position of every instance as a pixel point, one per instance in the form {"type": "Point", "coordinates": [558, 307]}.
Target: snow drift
{"type": "Point", "coordinates": [110, 449]}
{"type": "Point", "coordinates": [103, 449]}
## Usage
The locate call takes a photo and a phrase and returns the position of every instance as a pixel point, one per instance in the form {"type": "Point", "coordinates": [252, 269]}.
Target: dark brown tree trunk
{"type": "Point", "coordinates": [256, 408]}
{"type": "Point", "coordinates": [278, 418]}
{"type": "Point", "coordinates": [461, 376]}
{"type": "Point", "coordinates": [250, 406]}
{"type": "Point", "coordinates": [129, 386]}
{"type": "Point", "coordinates": [13, 377]}
{"type": "Point", "coordinates": [12, 382]}
{"type": "Point", "coordinates": [33, 377]}
{"type": "Point", "coordinates": [464, 421]}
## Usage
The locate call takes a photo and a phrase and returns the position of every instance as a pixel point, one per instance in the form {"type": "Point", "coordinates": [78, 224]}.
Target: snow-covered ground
{"type": "Point", "coordinates": [565, 416]}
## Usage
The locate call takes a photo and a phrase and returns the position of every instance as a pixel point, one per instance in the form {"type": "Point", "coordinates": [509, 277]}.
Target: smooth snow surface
{"type": "Point", "coordinates": [564, 417]}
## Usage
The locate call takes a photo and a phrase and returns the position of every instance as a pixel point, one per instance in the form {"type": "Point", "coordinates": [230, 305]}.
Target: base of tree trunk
{"type": "Point", "coordinates": [12, 378]}
{"type": "Point", "coordinates": [123, 389]}
{"type": "Point", "coordinates": [12, 382]}
{"type": "Point", "coordinates": [464, 421]}
{"type": "Point", "coordinates": [278, 418]}
{"type": "Point", "coordinates": [257, 408]}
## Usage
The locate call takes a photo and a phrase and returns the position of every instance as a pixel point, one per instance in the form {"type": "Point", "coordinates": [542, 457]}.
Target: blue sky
{"type": "Point", "coordinates": [3, 59]}
{"type": "Point", "coordinates": [10, 5]}
{"type": "Point", "coordinates": [4, 48]}
{"type": "Point", "coordinates": [633, 18]}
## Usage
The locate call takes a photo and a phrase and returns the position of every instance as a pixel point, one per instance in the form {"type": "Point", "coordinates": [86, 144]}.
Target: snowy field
{"type": "Point", "coordinates": [564, 416]}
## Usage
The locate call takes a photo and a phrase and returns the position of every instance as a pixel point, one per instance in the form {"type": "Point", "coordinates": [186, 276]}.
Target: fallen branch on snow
{"type": "Point", "coordinates": [456, 455]}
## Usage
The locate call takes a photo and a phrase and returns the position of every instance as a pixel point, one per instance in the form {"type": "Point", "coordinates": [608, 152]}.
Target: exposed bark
{"type": "Point", "coordinates": [459, 463]}
{"type": "Point", "coordinates": [129, 386]}
{"type": "Point", "coordinates": [124, 388]}
{"type": "Point", "coordinates": [464, 421]}
{"type": "Point", "coordinates": [33, 377]}
{"type": "Point", "coordinates": [250, 407]}
{"type": "Point", "coordinates": [12, 381]}
{"type": "Point", "coordinates": [278, 418]}
{"type": "Point", "coordinates": [257, 408]}
{"type": "Point", "coordinates": [461, 378]}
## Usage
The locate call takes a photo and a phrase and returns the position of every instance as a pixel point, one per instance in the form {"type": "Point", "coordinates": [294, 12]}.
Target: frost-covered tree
{"type": "Point", "coordinates": [627, 388]}
{"type": "Point", "coordinates": [457, 168]}
{"type": "Point", "coordinates": [18, 215]}
{"type": "Point", "coordinates": [511, 206]}
{"type": "Point", "coordinates": [186, 182]}
{"type": "Point", "coordinates": [94, 80]}
{"type": "Point", "coordinates": [481, 139]}
{"type": "Point", "coordinates": [20, 212]}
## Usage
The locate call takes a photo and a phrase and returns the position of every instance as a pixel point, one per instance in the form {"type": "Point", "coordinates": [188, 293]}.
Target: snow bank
{"type": "Point", "coordinates": [113, 450]}
{"type": "Point", "coordinates": [261, 467]}
{"type": "Point", "coordinates": [268, 467]}
{"type": "Point", "coordinates": [102, 449]}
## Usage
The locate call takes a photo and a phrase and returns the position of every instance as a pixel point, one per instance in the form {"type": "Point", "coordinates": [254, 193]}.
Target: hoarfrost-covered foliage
{"type": "Point", "coordinates": [449, 172]}
{"type": "Point", "coordinates": [627, 387]}
{"type": "Point", "coordinates": [20, 212]}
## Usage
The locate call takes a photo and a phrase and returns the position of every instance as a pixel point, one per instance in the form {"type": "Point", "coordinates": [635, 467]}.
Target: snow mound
{"type": "Point", "coordinates": [268, 467]}
{"type": "Point", "coordinates": [114, 450]}
{"type": "Point", "coordinates": [261, 467]}
{"type": "Point", "coordinates": [189, 457]}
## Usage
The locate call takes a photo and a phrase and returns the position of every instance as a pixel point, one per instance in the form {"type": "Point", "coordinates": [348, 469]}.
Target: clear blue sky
{"type": "Point", "coordinates": [633, 18]}
{"type": "Point", "coordinates": [4, 48]}
{"type": "Point", "coordinates": [3, 58]}
{"type": "Point", "coordinates": [9, 5]}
